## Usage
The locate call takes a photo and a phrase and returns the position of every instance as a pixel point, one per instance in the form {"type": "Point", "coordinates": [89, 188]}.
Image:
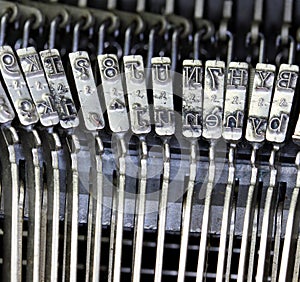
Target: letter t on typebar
{"type": "Point", "coordinates": [164, 127]}
{"type": "Point", "coordinates": [233, 120]}
{"type": "Point", "coordinates": [214, 81]}
{"type": "Point", "coordinates": [92, 116]}
{"type": "Point", "coordinates": [276, 134]}
{"type": "Point", "coordinates": [119, 124]}
{"type": "Point", "coordinates": [140, 125]}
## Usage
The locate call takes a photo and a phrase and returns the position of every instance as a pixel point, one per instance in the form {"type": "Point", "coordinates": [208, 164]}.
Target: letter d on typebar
{"type": "Point", "coordinates": [282, 103]}
{"type": "Point", "coordinates": [163, 96]}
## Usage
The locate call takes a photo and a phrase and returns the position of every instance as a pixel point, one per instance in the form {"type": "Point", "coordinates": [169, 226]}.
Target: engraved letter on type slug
{"type": "Point", "coordinates": [192, 98]}
{"type": "Point", "coordinates": [59, 88]}
{"type": "Point", "coordinates": [38, 86]}
{"type": "Point", "coordinates": [260, 101]}
{"type": "Point", "coordinates": [163, 96]}
{"type": "Point", "coordinates": [236, 90]}
{"type": "Point", "coordinates": [87, 91]}
{"type": "Point", "coordinates": [17, 87]}
{"type": "Point", "coordinates": [137, 94]}
{"type": "Point", "coordinates": [213, 99]}
{"type": "Point", "coordinates": [113, 93]}
{"type": "Point", "coordinates": [282, 103]}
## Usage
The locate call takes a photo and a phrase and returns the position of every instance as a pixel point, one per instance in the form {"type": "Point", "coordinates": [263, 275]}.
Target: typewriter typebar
{"type": "Point", "coordinates": [149, 140]}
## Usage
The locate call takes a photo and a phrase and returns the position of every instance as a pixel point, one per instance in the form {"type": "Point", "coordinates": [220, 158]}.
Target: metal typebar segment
{"type": "Point", "coordinates": [248, 217]}
{"type": "Point", "coordinates": [164, 127]}
{"type": "Point", "coordinates": [94, 234]}
{"type": "Point", "coordinates": [292, 227]}
{"type": "Point", "coordinates": [192, 103]}
{"type": "Point", "coordinates": [163, 202]}
{"type": "Point", "coordinates": [34, 192]}
{"type": "Point", "coordinates": [214, 81]}
{"type": "Point", "coordinates": [140, 125]}
{"type": "Point", "coordinates": [52, 147]}
{"type": "Point", "coordinates": [276, 133]}
{"type": "Point", "coordinates": [250, 274]}
{"type": "Point", "coordinates": [296, 271]}
{"type": "Point", "coordinates": [12, 267]}
{"type": "Point", "coordinates": [71, 213]}
{"type": "Point", "coordinates": [43, 239]}
{"type": "Point", "coordinates": [259, 107]}
{"type": "Point", "coordinates": [276, 250]}
{"type": "Point", "coordinates": [187, 213]}
{"type": "Point", "coordinates": [98, 217]}
{"type": "Point", "coordinates": [267, 222]}
{"type": "Point", "coordinates": [120, 212]}
{"type": "Point", "coordinates": [230, 242]}
{"type": "Point", "coordinates": [226, 214]}
{"type": "Point", "coordinates": [206, 215]}
{"type": "Point", "coordinates": [140, 216]}
{"type": "Point", "coordinates": [93, 120]}
{"type": "Point", "coordinates": [233, 120]}
{"type": "Point", "coordinates": [119, 123]}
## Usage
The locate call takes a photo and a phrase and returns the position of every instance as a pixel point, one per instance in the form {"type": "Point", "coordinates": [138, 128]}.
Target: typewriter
{"type": "Point", "coordinates": [149, 140]}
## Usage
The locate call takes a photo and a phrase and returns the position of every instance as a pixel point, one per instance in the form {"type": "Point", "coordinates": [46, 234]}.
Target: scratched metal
{"type": "Point", "coordinates": [6, 111]}
{"type": "Point", "coordinates": [113, 93]}
{"type": "Point", "coordinates": [87, 90]}
{"type": "Point", "coordinates": [260, 102]}
{"type": "Point", "coordinates": [163, 96]}
{"type": "Point", "coordinates": [235, 99]}
{"type": "Point", "coordinates": [137, 94]}
{"type": "Point", "coordinates": [192, 98]}
{"type": "Point", "coordinates": [214, 82]}
{"type": "Point", "coordinates": [38, 86]}
{"type": "Point", "coordinates": [17, 87]}
{"type": "Point", "coordinates": [59, 88]}
{"type": "Point", "coordinates": [282, 103]}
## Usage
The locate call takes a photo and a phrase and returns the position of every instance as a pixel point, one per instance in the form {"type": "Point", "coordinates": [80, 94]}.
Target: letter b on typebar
{"type": "Point", "coordinates": [282, 103]}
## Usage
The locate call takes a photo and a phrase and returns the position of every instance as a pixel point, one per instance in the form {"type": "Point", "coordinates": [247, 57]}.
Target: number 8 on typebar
{"type": "Point", "coordinates": [282, 103]}
{"type": "Point", "coordinates": [113, 93]}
